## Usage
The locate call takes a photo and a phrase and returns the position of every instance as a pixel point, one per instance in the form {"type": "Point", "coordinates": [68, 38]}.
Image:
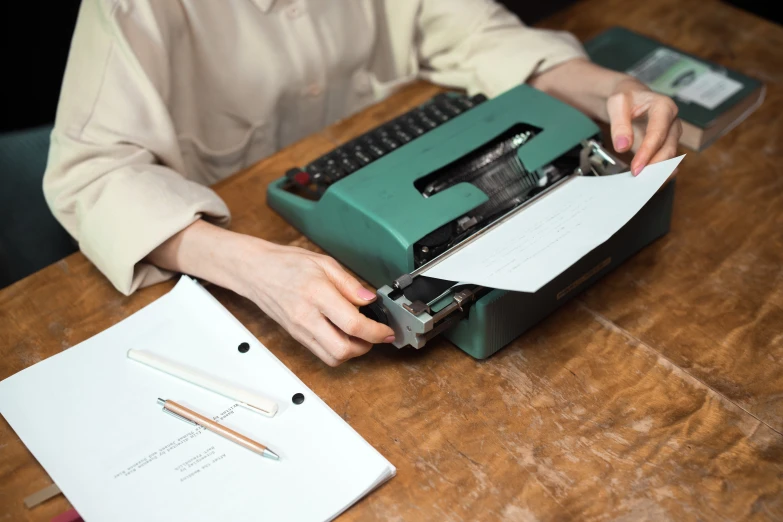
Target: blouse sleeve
{"type": "Point", "coordinates": [113, 177]}
{"type": "Point", "coordinates": [479, 46]}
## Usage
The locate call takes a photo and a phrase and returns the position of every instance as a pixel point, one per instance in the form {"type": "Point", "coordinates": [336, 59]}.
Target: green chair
{"type": "Point", "coordinates": [30, 237]}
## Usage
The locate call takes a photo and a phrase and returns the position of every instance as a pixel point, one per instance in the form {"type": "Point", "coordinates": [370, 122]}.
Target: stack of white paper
{"type": "Point", "coordinates": [90, 417]}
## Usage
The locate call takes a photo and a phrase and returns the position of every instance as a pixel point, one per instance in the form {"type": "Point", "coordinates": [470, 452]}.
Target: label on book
{"type": "Point", "coordinates": [678, 76]}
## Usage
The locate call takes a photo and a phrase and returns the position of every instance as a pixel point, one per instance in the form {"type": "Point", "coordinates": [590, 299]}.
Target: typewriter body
{"type": "Point", "coordinates": [415, 190]}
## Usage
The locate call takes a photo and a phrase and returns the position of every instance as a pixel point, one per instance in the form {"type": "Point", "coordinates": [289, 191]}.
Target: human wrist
{"type": "Point", "coordinates": [208, 252]}
{"type": "Point", "coordinates": [582, 84]}
{"type": "Point", "coordinates": [242, 263]}
{"type": "Point", "coordinates": [234, 261]}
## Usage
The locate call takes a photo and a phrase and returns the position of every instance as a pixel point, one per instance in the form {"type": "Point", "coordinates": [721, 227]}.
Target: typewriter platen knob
{"type": "Point", "coordinates": [375, 311]}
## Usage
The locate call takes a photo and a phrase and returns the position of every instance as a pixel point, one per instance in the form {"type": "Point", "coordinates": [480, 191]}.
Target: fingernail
{"type": "Point", "coordinates": [621, 143]}
{"type": "Point", "coordinates": [366, 294]}
{"type": "Point", "coordinates": [636, 170]}
{"type": "Point", "coordinates": [389, 339]}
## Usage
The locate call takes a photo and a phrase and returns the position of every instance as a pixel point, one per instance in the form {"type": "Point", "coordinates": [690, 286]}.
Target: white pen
{"type": "Point", "coordinates": [249, 400]}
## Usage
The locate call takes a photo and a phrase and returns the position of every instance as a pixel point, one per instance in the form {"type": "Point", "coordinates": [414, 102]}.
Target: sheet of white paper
{"type": "Point", "coordinates": [89, 415]}
{"type": "Point", "coordinates": [540, 242]}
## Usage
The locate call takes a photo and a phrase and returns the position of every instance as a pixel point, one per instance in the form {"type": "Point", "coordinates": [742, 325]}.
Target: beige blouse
{"type": "Point", "coordinates": [162, 98]}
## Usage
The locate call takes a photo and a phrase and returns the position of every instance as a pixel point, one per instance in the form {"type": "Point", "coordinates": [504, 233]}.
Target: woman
{"type": "Point", "coordinates": [162, 99]}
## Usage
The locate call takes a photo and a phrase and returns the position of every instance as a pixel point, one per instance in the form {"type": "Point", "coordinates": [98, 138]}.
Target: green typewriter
{"type": "Point", "coordinates": [413, 191]}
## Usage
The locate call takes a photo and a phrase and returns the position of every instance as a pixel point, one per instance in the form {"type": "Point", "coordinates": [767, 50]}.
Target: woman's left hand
{"type": "Point", "coordinates": [657, 139]}
{"type": "Point", "coordinates": [640, 119]}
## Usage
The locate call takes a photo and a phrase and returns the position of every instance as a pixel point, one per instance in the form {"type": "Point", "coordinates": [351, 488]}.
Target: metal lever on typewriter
{"type": "Point", "coordinates": [415, 322]}
{"type": "Point", "coordinates": [594, 160]}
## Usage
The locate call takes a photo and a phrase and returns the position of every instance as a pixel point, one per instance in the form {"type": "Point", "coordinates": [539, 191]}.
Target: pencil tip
{"type": "Point", "coordinates": [270, 454]}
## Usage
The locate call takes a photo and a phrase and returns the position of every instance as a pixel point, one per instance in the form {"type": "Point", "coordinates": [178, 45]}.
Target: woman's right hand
{"type": "Point", "coordinates": [309, 294]}
{"type": "Point", "coordinates": [312, 297]}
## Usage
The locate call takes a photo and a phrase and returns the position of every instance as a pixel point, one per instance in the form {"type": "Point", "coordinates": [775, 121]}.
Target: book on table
{"type": "Point", "coordinates": [711, 99]}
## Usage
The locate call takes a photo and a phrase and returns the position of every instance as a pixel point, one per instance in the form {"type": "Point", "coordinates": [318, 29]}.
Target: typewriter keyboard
{"type": "Point", "coordinates": [312, 180]}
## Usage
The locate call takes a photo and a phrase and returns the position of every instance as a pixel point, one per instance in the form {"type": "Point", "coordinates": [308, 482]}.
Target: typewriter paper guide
{"type": "Point", "coordinates": [89, 415]}
{"type": "Point", "coordinates": [541, 241]}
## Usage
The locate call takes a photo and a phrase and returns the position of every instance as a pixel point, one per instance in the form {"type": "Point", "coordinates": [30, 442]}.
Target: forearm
{"type": "Point", "coordinates": [309, 294]}
{"type": "Point", "coordinates": [205, 251]}
{"type": "Point", "coordinates": [581, 84]}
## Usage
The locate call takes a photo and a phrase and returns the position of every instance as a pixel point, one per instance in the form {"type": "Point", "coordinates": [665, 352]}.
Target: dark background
{"type": "Point", "coordinates": [36, 36]}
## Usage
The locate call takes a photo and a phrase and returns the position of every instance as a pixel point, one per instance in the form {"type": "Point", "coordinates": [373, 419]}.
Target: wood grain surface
{"type": "Point", "coordinates": [655, 395]}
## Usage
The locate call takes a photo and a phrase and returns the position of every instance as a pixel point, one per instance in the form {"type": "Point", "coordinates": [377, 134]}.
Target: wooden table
{"type": "Point", "coordinates": [657, 394]}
